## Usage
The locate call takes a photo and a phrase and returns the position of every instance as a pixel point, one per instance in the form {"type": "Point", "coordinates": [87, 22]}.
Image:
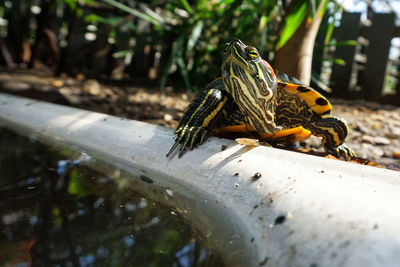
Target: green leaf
{"type": "Point", "coordinates": [91, 18]}
{"type": "Point", "coordinates": [293, 21]}
{"type": "Point", "coordinates": [347, 43]}
{"type": "Point", "coordinates": [187, 6]}
{"type": "Point", "coordinates": [313, 7]}
{"type": "Point", "coordinates": [182, 67]}
{"type": "Point", "coordinates": [122, 53]}
{"type": "Point", "coordinates": [331, 25]}
{"type": "Point", "coordinates": [95, 18]}
{"type": "Point", "coordinates": [136, 13]}
{"type": "Point", "coordinates": [329, 32]}
{"type": "Point", "coordinates": [71, 3]}
{"type": "Point", "coordinates": [323, 9]}
{"type": "Point", "coordinates": [195, 35]}
{"type": "Point", "coordinates": [339, 61]}
{"type": "Point", "coordinates": [342, 43]}
{"type": "Point", "coordinates": [79, 12]}
{"type": "Point", "coordinates": [171, 59]}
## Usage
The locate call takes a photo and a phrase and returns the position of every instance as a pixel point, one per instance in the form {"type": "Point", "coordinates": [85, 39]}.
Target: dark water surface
{"type": "Point", "coordinates": [56, 212]}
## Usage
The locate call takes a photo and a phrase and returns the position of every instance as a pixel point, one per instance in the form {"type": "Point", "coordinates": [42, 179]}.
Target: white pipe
{"type": "Point", "coordinates": [303, 211]}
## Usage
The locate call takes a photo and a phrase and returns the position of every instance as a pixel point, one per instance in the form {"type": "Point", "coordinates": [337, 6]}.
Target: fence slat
{"type": "Point", "coordinates": [380, 35]}
{"type": "Point", "coordinates": [349, 30]}
{"type": "Point", "coordinates": [318, 53]}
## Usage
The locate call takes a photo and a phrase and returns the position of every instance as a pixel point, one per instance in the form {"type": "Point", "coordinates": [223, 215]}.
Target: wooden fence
{"type": "Point", "coordinates": [368, 72]}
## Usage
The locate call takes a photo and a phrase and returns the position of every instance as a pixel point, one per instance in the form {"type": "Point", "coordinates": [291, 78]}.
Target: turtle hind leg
{"type": "Point", "coordinates": [333, 131]}
{"type": "Point", "coordinates": [341, 151]}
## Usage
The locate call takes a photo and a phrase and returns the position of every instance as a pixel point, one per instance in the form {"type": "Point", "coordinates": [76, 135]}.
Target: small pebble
{"type": "Point", "coordinates": [57, 83]}
{"type": "Point", "coordinates": [168, 117]}
{"type": "Point", "coordinates": [362, 128]}
{"type": "Point", "coordinates": [256, 176]}
{"type": "Point", "coordinates": [368, 139]}
{"type": "Point", "coordinates": [379, 140]}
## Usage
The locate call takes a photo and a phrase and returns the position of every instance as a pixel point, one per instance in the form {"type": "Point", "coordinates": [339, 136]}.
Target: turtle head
{"type": "Point", "coordinates": [252, 83]}
{"type": "Point", "coordinates": [241, 56]}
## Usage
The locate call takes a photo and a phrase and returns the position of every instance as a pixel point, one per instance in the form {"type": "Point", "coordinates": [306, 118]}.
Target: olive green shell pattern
{"type": "Point", "coordinates": [292, 111]}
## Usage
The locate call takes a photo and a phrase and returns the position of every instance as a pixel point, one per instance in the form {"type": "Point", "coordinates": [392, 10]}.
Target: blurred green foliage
{"type": "Point", "coordinates": [196, 33]}
{"type": "Point", "coordinates": [176, 42]}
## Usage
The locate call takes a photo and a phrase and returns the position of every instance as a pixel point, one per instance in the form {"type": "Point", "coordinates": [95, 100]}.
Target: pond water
{"type": "Point", "coordinates": [56, 212]}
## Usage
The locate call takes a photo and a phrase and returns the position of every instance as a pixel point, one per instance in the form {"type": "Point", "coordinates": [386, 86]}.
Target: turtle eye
{"type": "Point", "coordinates": [253, 53]}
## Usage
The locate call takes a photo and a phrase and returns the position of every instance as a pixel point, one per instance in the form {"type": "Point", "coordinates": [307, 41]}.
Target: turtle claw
{"type": "Point", "coordinates": [172, 149]}
{"type": "Point", "coordinates": [342, 151]}
{"type": "Point", "coordinates": [188, 137]}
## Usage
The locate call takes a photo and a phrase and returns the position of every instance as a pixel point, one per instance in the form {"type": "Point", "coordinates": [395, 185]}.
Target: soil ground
{"type": "Point", "coordinates": [374, 132]}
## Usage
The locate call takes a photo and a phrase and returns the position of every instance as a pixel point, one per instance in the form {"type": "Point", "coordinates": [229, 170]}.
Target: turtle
{"type": "Point", "coordinates": [253, 98]}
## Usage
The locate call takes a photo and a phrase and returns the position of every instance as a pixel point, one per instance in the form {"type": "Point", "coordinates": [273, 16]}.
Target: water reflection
{"type": "Point", "coordinates": [54, 212]}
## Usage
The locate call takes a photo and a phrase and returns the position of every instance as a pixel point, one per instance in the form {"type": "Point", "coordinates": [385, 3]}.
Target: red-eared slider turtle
{"type": "Point", "coordinates": [252, 97]}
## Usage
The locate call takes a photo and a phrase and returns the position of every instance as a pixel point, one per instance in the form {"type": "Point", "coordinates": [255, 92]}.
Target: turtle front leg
{"type": "Point", "coordinates": [333, 131]}
{"type": "Point", "coordinates": [199, 120]}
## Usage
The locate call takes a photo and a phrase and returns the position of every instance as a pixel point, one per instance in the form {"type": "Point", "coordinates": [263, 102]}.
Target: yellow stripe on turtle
{"type": "Point", "coordinates": [292, 134]}
{"type": "Point", "coordinates": [213, 113]}
{"type": "Point", "coordinates": [318, 103]}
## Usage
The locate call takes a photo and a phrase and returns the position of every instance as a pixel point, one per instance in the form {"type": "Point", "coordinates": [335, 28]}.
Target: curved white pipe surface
{"type": "Point", "coordinates": [303, 210]}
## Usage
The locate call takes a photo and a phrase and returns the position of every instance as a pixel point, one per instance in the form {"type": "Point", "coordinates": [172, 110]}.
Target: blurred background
{"type": "Point", "coordinates": [179, 43]}
{"type": "Point", "coordinates": [145, 60]}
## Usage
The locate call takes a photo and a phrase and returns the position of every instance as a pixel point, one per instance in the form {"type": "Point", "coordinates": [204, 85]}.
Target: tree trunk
{"type": "Point", "coordinates": [295, 57]}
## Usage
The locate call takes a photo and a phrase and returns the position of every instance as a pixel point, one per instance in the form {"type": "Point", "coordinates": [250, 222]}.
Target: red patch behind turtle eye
{"type": "Point", "coordinates": [269, 67]}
